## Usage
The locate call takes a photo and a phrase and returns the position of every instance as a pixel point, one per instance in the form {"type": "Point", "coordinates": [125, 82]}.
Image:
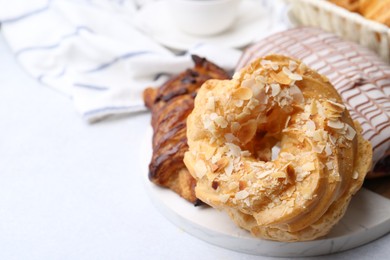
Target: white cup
{"type": "Point", "coordinates": [203, 17]}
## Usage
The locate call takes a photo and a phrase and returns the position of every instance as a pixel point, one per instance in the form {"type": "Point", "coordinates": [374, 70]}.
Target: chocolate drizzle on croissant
{"type": "Point", "coordinates": [170, 105]}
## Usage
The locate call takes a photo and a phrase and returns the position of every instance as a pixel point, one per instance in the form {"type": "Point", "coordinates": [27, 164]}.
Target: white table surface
{"type": "Point", "coordinates": [69, 190]}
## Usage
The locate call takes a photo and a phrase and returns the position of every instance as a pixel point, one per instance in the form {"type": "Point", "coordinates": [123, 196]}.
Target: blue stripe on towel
{"type": "Point", "coordinates": [55, 45]}
{"type": "Point", "coordinates": [60, 74]}
{"type": "Point", "coordinates": [112, 109]}
{"type": "Point", "coordinates": [115, 60]}
{"type": "Point", "coordinates": [29, 14]}
{"type": "Point", "coordinates": [89, 86]}
{"type": "Point", "coordinates": [162, 74]}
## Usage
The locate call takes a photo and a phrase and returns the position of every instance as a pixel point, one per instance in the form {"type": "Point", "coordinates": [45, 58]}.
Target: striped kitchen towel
{"type": "Point", "coordinates": [91, 51]}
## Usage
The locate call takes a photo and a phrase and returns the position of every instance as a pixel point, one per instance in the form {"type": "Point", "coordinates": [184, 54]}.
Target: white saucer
{"type": "Point", "coordinates": [367, 218]}
{"type": "Point", "coordinates": [154, 20]}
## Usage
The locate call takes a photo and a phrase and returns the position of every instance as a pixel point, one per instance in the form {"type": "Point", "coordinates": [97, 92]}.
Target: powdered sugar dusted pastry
{"type": "Point", "coordinates": [322, 162]}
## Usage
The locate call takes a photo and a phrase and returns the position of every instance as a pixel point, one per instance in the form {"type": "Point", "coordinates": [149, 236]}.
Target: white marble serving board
{"type": "Point", "coordinates": [367, 218]}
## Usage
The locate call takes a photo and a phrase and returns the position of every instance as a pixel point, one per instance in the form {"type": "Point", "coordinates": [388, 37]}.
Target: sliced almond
{"type": "Point", "coordinates": [291, 75]}
{"type": "Point", "coordinates": [229, 168]}
{"type": "Point", "coordinates": [224, 197]}
{"type": "Point", "coordinates": [330, 165]}
{"type": "Point", "coordinates": [328, 149]}
{"type": "Point", "coordinates": [261, 79]}
{"type": "Point", "coordinates": [233, 185]}
{"type": "Point", "coordinates": [310, 126]}
{"type": "Point", "coordinates": [200, 168]}
{"type": "Point", "coordinates": [242, 195]}
{"type": "Point", "coordinates": [287, 156]}
{"type": "Point", "coordinates": [280, 78]}
{"type": "Point", "coordinates": [210, 105]}
{"type": "Point", "coordinates": [292, 65]}
{"type": "Point", "coordinates": [209, 151]}
{"type": "Point", "coordinates": [275, 89]}
{"type": "Point", "coordinates": [351, 133]}
{"type": "Point", "coordinates": [235, 126]}
{"type": "Point", "coordinates": [221, 122]}
{"type": "Point", "coordinates": [247, 131]}
{"type": "Point", "coordinates": [336, 106]}
{"type": "Point", "coordinates": [230, 138]}
{"type": "Point", "coordinates": [248, 83]}
{"type": "Point", "coordinates": [243, 93]}
{"type": "Point", "coordinates": [335, 124]}
{"type": "Point", "coordinates": [310, 166]}
{"type": "Point", "coordinates": [279, 174]}
{"type": "Point", "coordinates": [297, 94]}
{"type": "Point", "coordinates": [233, 150]}
{"type": "Point", "coordinates": [302, 68]}
{"type": "Point", "coordinates": [318, 148]}
{"type": "Point", "coordinates": [221, 164]}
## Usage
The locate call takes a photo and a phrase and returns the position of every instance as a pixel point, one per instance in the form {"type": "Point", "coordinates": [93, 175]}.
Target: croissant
{"type": "Point", "coordinates": [170, 105]}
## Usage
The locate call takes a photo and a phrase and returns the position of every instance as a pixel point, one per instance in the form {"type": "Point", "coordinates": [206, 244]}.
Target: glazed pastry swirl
{"type": "Point", "coordinates": [275, 101]}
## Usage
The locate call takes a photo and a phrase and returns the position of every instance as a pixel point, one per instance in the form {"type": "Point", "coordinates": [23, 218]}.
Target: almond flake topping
{"type": "Point", "coordinates": [229, 137]}
{"type": "Point", "coordinates": [234, 150]}
{"type": "Point", "coordinates": [328, 149]}
{"type": "Point", "coordinates": [296, 94]}
{"type": "Point", "coordinates": [210, 105]}
{"type": "Point", "coordinates": [248, 83]}
{"type": "Point", "coordinates": [350, 134]}
{"type": "Point", "coordinates": [229, 168]}
{"type": "Point", "coordinates": [224, 197]}
{"type": "Point", "coordinates": [242, 195]}
{"type": "Point", "coordinates": [213, 116]}
{"type": "Point", "coordinates": [261, 79]}
{"type": "Point", "coordinates": [268, 63]}
{"type": "Point", "coordinates": [239, 103]}
{"type": "Point", "coordinates": [342, 107]}
{"type": "Point", "coordinates": [287, 156]}
{"type": "Point", "coordinates": [215, 158]}
{"type": "Point", "coordinates": [310, 166]}
{"type": "Point", "coordinates": [243, 93]}
{"type": "Point", "coordinates": [245, 153]}
{"type": "Point", "coordinates": [329, 165]}
{"type": "Point", "coordinates": [263, 174]}
{"type": "Point", "coordinates": [335, 124]}
{"type": "Point", "coordinates": [275, 89]}
{"type": "Point", "coordinates": [280, 78]}
{"type": "Point", "coordinates": [287, 121]}
{"type": "Point", "coordinates": [235, 126]}
{"type": "Point", "coordinates": [318, 148]}
{"type": "Point", "coordinates": [355, 175]}
{"type": "Point", "coordinates": [208, 123]}
{"type": "Point", "coordinates": [221, 122]}
{"type": "Point", "coordinates": [310, 126]}
{"type": "Point", "coordinates": [200, 168]}
{"type": "Point", "coordinates": [233, 185]}
{"type": "Point", "coordinates": [292, 65]}
{"type": "Point", "coordinates": [291, 75]}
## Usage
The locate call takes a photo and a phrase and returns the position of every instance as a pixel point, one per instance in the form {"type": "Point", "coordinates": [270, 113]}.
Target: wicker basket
{"type": "Point", "coordinates": [351, 26]}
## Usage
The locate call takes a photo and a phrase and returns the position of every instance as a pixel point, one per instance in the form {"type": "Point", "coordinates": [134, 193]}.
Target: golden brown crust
{"type": "Point", "coordinates": [170, 105]}
{"type": "Point", "coordinates": [377, 10]}
{"type": "Point", "coordinates": [305, 190]}
{"type": "Point", "coordinates": [350, 5]}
